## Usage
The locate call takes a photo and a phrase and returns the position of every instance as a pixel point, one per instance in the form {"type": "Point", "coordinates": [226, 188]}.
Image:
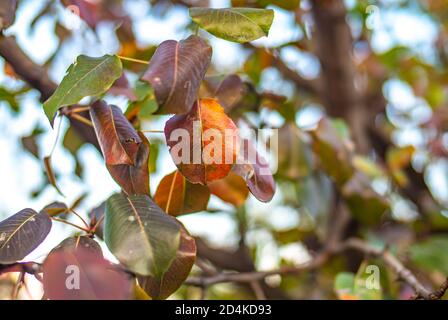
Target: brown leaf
{"type": "Point", "coordinates": [255, 171]}
{"type": "Point", "coordinates": [231, 189]}
{"type": "Point", "coordinates": [55, 208]}
{"type": "Point", "coordinates": [118, 140]}
{"type": "Point", "coordinates": [177, 272]}
{"type": "Point", "coordinates": [203, 143]}
{"type": "Point", "coordinates": [176, 196]}
{"type": "Point", "coordinates": [176, 71]}
{"type": "Point", "coordinates": [134, 179]}
{"type": "Point", "coordinates": [50, 174]}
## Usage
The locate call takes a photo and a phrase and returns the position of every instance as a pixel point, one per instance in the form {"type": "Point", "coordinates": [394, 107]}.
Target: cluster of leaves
{"type": "Point", "coordinates": [321, 171]}
{"type": "Point", "coordinates": [155, 251]}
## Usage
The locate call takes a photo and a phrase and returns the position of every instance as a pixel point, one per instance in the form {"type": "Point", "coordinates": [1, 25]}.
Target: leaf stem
{"type": "Point", "coordinates": [70, 224]}
{"type": "Point", "coordinates": [82, 119]}
{"type": "Point", "coordinates": [133, 60]}
{"type": "Point", "coordinates": [152, 131]}
{"type": "Point", "coordinates": [78, 110]}
{"type": "Point", "coordinates": [80, 218]}
{"type": "Point", "coordinates": [97, 224]}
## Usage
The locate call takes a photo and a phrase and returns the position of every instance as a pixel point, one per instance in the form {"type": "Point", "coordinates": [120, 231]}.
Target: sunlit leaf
{"type": "Point", "coordinates": [118, 140]}
{"type": "Point", "coordinates": [177, 272]}
{"type": "Point", "coordinates": [176, 195]}
{"type": "Point", "coordinates": [176, 71]}
{"type": "Point", "coordinates": [203, 143]}
{"type": "Point", "coordinates": [55, 208]}
{"type": "Point", "coordinates": [234, 24]}
{"type": "Point", "coordinates": [22, 233]}
{"type": "Point", "coordinates": [140, 235]}
{"type": "Point", "coordinates": [86, 77]}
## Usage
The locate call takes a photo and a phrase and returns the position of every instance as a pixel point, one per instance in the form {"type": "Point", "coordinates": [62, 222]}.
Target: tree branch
{"type": "Point", "coordinates": [37, 77]}
{"type": "Point", "coordinates": [353, 243]}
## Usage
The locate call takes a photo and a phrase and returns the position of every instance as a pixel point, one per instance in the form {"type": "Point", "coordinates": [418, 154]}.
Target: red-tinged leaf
{"type": "Point", "coordinates": [134, 179]}
{"type": "Point", "coordinates": [82, 274]}
{"type": "Point", "coordinates": [21, 233]}
{"type": "Point", "coordinates": [118, 139]}
{"type": "Point", "coordinates": [176, 71]}
{"type": "Point", "coordinates": [231, 189]}
{"type": "Point", "coordinates": [50, 174]}
{"type": "Point", "coordinates": [176, 196]}
{"type": "Point", "coordinates": [74, 243]}
{"type": "Point", "coordinates": [203, 143]}
{"type": "Point", "coordinates": [255, 170]}
{"type": "Point", "coordinates": [177, 272]}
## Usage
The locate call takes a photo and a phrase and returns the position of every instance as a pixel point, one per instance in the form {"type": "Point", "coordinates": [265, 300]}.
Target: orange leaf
{"type": "Point", "coordinates": [203, 142]}
{"type": "Point", "coordinates": [176, 196]}
{"type": "Point", "coordinates": [231, 189]}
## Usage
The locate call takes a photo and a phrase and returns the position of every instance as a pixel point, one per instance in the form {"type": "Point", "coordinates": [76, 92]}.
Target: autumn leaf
{"type": "Point", "coordinates": [176, 71]}
{"type": "Point", "coordinates": [50, 174]}
{"type": "Point", "coordinates": [97, 278]}
{"type": "Point", "coordinates": [208, 145]}
{"type": "Point", "coordinates": [176, 195]}
{"type": "Point", "coordinates": [22, 233]}
{"type": "Point", "coordinates": [134, 179]}
{"type": "Point", "coordinates": [231, 189]}
{"type": "Point", "coordinates": [255, 171]}
{"type": "Point", "coordinates": [118, 140]}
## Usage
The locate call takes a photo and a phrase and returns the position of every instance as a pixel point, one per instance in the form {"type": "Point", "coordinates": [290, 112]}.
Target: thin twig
{"type": "Point", "coordinates": [392, 262]}
{"type": "Point", "coordinates": [71, 224]}
{"type": "Point", "coordinates": [80, 218]}
{"type": "Point", "coordinates": [353, 243]}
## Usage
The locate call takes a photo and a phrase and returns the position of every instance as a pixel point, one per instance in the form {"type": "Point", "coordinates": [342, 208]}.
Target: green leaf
{"type": "Point", "coordinates": [140, 235]}
{"type": "Point", "coordinates": [86, 77]}
{"type": "Point", "coordinates": [431, 254]}
{"type": "Point", "coordinates": [344, 285]}
{"type": "Point", "coordinates": [234, 24]}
